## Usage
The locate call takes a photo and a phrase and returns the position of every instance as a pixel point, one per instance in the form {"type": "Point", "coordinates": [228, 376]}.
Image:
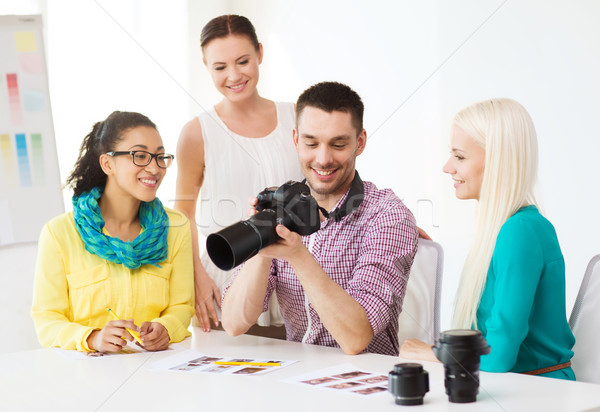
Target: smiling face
{"type": "Point", "coordinates": [327, 145]}
{"type": "Point", "coordinates": [127, 179]}
{"type": "Point", "coordinates": [233, 62]}
{"type": "Point", "coordinates": [466, 164]}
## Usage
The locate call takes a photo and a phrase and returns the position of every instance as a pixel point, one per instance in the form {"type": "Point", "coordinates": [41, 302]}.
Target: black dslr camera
{"type": "Point", "coordinates": [289, 204]}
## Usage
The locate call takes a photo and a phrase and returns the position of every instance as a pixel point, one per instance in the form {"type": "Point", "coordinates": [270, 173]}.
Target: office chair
{"type": "Point", "coordinates": [585, 324]}
{"type": "Point", "coordinates": [420, 316]}
{"type": "Point", "coordinates": [17, 267]}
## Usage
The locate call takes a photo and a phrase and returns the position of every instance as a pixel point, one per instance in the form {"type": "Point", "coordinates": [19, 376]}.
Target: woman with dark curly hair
{"type": "Point", "coordinates": [119, 248]}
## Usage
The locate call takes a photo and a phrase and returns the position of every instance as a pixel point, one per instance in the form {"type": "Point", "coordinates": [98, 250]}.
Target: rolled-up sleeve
{"type": "Point", "coordinates": [380, 276]}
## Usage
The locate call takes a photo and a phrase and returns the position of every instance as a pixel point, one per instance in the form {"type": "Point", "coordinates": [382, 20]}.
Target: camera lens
{"type": "Point", "coordinates": [408, 382]}
{"type": "Point", "coordinates": [240, 241]}
{"type": "Point", "coordinates": [460, 350]}
{"type": "Point", "coordinates": [290, 205]}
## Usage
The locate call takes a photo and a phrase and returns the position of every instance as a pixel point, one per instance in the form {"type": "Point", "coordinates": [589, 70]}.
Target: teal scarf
{"type": "Point", "coordinates": [149, 247]}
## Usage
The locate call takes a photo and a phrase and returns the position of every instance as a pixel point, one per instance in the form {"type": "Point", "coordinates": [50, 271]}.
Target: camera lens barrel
{"type": "Point", "coordinates": [460, 350]}
{"type": "Point", "coordinates": [290, 205]}
{"type": "Point", "coordinates": [240, 241]}
{"type": "Point", "coordinates": [408, 382]}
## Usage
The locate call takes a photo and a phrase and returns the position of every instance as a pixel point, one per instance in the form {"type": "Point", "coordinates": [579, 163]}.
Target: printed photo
{"type": "Point", "coordinates": [319, 381]}
{"type": "Point", "coordinates": [350, 375]}
{"type": "Point", "coordinates": [374, 379]}
{"type": "Point", "coordinates": [204, 360]}
{"type": "Point", "coordinates": [371, 390]}
{"type": "Point", "coordinates": [219, 368]}
{"type": "Point", "coordinates": [248, 371]}
{"type": "Point", "coordinates": [183, 367]}
{"type": "Point", "coordinates": [199, 363]}
{"type": "Point", "coordinates": [345, 385]}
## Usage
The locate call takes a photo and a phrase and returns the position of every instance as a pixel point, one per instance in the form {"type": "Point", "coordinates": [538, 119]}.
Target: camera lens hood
{"type": "Point", "coordinates": [460, 345]}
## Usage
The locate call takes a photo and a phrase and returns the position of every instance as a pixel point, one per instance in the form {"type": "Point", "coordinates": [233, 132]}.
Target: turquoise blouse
{"type": "Point", "coordinates": [522, 309]}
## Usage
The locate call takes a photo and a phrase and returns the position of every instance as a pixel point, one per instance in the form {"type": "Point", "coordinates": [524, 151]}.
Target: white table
{"type": "Point", "coordinates": [45, 380]}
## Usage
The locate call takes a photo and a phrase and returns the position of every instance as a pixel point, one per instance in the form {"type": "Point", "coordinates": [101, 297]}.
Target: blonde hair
{"type": "Point", "coordinates": [506, 132]}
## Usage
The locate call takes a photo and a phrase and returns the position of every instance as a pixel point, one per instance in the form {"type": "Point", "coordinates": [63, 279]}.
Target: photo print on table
{"type": "Point", "coordinates": [345, 385]}
{"type": "Point", "coordinates": [374, 379]}
{"type": "Point", "coordinates": [370, 390]}
{"type": "Point", "coordinates": [219, 368]}
{"type": "Point", "coordinates": [319, 381]}
{"type": "Point", "coordinates": [344, 378]}
{"type": "Point", "coordinates": [248, 371]}
{"type": "Point", "coordinates": [351, 375]}
{"type": "Point", "coordinates": [191, 361]}
{"type": "Point", "coordinates": [204, 360]}
{"type": "Point", "coordinates": [190, 365]}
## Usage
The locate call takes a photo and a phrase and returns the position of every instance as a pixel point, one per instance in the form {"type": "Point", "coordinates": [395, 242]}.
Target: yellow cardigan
{"type": "Point", "coordinates": [73, 287]}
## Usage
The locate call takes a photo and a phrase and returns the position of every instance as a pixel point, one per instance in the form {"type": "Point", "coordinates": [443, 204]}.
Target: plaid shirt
{"type": "Point", "coordinates": [369, 253]}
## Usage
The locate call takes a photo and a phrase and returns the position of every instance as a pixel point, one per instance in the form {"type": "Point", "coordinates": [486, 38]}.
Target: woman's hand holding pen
{"type": "Point", "coordinates": [113, 337]}
{"type": "Point", "coordinates": [155, 336]}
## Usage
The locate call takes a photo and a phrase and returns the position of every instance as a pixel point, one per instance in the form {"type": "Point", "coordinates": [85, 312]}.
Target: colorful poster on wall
{"type": "Point", "coordinates": [30, 192]}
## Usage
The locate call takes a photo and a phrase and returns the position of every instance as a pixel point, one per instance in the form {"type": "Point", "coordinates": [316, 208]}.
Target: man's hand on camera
{"type": "Point", "coordinates": [289, 247]}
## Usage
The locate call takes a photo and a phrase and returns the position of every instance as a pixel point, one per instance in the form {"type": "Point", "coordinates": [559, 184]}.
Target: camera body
{"type": "Point", "coordinates": [290, 204]}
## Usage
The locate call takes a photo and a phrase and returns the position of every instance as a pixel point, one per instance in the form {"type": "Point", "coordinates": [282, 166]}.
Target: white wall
{"type": "Point", "coordinates": [117, 55]}
{"type": "Point", "coordinates": [415, 63]}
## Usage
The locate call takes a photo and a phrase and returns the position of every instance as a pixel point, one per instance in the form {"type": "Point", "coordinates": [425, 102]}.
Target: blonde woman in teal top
{"type": "Point", "coordinates": [524, 299]}
{"type": "Point", "coordinates": [512, 284]}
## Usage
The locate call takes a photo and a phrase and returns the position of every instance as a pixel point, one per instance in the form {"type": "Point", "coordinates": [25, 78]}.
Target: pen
{"type": "Point", "coordinates": [249, 363]}
{"type": "Point", "coordinates": [135, 335]}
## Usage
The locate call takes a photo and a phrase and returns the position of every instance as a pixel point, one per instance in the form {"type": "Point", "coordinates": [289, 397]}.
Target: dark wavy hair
{"type": "Point", "coordinates": [330, 96]}
{"type": "Point", "coordinates": [226, 25]}
{"type": "Point", "coordinates": [103, 138]}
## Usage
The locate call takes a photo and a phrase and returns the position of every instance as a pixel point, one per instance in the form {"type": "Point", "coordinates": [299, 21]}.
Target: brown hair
{"type": "Point", "coordinates": [226, 25]}
{"type": "Point", "coordinates": [332, 96]}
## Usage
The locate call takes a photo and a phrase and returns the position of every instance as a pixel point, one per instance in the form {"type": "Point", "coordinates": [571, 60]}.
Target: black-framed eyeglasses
{"type": "Point", "coordinates": [143, 158]}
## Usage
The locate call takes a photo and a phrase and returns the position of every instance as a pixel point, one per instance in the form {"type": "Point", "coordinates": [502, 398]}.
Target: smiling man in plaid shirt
{"type": "Point", "coordinates": [343, 285]}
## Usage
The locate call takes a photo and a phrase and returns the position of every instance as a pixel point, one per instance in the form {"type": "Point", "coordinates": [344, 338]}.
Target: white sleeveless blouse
{"type": "Point", "coordinates": [237, 168]}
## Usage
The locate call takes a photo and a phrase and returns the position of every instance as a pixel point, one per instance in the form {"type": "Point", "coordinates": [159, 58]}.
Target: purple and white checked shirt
{"type": "Point", "coordinates": [368, 253]}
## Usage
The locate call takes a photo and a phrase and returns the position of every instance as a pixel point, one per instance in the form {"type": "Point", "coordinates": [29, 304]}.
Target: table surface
{"type": "Point", "coordinates": [44, 379]}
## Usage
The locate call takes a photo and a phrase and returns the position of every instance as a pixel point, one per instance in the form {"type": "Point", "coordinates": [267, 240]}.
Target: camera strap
{"type": "Point", "coordinates": [356, 195]}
